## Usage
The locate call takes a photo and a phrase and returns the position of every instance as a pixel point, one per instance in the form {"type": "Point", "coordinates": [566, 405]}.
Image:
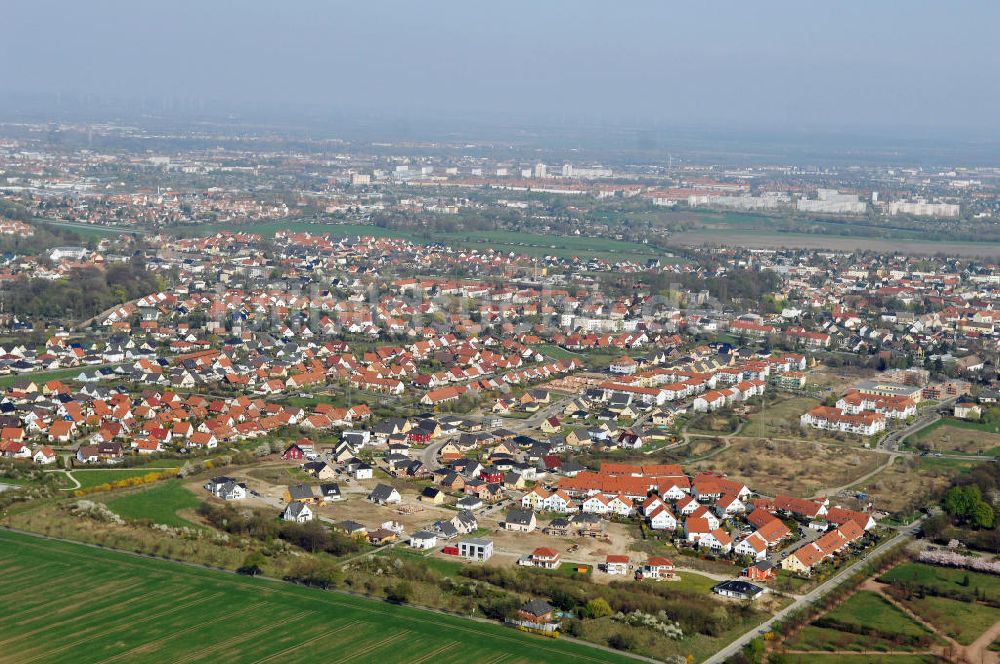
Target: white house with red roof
{"type": "Point", "coordinates": [752, 545]}
{"type": "Point", "coordinates": [661, 518]}
{"type": "Point", "coordinates": [658, 568]}
{"type": "Point", "coordinates": [686, 505]}
{"type": "Point", "coordinates": [616, 564]}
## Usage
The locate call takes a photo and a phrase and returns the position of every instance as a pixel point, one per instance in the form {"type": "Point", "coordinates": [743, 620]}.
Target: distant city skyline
{"type": "Point", "coordinates": [779, 65]}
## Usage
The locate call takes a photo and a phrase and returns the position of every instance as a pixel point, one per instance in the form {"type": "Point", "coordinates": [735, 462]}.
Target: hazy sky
{"type": "Point", "coordinates": [847, 63]}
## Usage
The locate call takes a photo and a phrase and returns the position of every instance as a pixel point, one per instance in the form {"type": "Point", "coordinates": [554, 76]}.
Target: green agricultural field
{"type": "Point", "coordinates": [159, 503]}
{"type": "Point", "coordinates": [68, 602]}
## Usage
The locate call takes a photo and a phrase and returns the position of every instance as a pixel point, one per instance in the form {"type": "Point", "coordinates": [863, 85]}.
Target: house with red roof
{"type": "Point", "coordinates": [616, 564]}
{"type": "Point", "coordinates": [657, 568]}
{"type": "Point", "coordinates": [661, 518]}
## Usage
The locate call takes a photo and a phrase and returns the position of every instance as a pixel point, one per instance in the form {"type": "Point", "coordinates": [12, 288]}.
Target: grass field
{"type": "Point", "coordinates": [771, 239]}
{"type": "Point", "coordinates": [864, 609]}
{"type": "Point", "coordinates": [962, 621]}
{"type": "Point", "coordinates": [67, 602]}
{"type": "Point", "coordinates": [88, 230]}
{"type": "Point", "coordinates": [450, 567]}
{"type": "Point", "coordinates": [811, 638]}
{"type": "Point", "coordinates": [556, 352]}
{"type": "Point", "coordinates": [40, 377]}
{"type": "Point", "coordinates": [954, 435]}
{"type": "Point", "coordinates": [282, 475]}
{"type": "Point", "coordinates": [795, 468]}
{"type": "Point", "coordinates": [945, 579]}
{"type": "Point", "coordinates": [159, 503]}
{"type": "Point", "coordinates": [89, 478]}
{"type": "Point", "coordinates": [911, 482]}
{"type": "Point", "coordinates": [813, 658]}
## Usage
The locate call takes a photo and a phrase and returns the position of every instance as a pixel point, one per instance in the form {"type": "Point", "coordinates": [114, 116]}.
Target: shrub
{"type": "Point", "coordinates": [621, 641]}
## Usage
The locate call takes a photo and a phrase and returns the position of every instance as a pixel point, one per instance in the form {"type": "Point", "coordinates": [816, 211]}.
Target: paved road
{"type": "Point", "coordinates": [429, 455]}
{"type": "Point", "coordinates": [904, 536]}
{"type": "Point", "coordinates": [806, 535]}
{"type": "Point", "coordinates": [925, 417]}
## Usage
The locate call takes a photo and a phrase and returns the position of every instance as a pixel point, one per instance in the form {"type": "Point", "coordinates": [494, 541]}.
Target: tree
{"type": "Point", "coordinates": [252, 565]}
{"type": "Point", "coordinates": [966, 504]}
{"type": "Point", "coordinates": [754, 651]}
{"type": "Point", "coordinates": [934, 527]}
{"type": "Point", "coordinates": [401, 593]}
{"type": "Point", "coordinates": [981, 514]}
{"type": "Point", "coordinates": [599, 608]}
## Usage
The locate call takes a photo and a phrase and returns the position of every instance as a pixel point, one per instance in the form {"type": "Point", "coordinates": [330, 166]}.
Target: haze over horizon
{"type": "Point", "coordinates": [849, 66]}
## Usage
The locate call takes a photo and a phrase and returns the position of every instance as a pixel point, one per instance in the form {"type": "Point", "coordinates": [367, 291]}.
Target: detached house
{"type": "Point", "coordinates": [226, 488]}
{"type": "Point", "coordinates": [383, 494]}
{"type": "Point", "coordinates": [297, 512]}
{"type": "Point", "coordinates": [519, 520]}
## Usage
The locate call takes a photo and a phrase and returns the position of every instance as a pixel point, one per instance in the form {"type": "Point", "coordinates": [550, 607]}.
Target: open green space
{"type": "Point", "coordinates": [970, 425]}
{"type": "Point", "coordinates": [694, 582]}
{"type": "Point", "coordinates": [556, 352]}
{"type": "Point", "coordinates": [945, 580]}
{"type": "Point", "coordinates": [282, 475]}
{"type": "Point", "coordinates": [88, 230]}
{"type": "Point", "coordinates": [839, 658]}
{"type": "Point", "coordinates": [90, 478]}
{"type": "Point", "coordinates": [814, 638]}
{"type": "Point", "coordinates": [449, 567]}
{"type": "Point", "coordinates": [962, 621]}
{"type": "Point", "coordinates": [840, 629]}
{"type": "Point", "coordinates": [159, 503]}
{"type": "Point", "coordinates": [869, 609]}
{"type": "Point", "coordinates": [68, 602]}
{"type": "Point", "coordinates": [944, 463]}
{"type": "Point", "coordinates": [41, 377]}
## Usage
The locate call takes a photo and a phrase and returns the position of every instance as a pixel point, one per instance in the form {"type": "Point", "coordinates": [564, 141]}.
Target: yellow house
{"type": "Point", "coordinates": [432, 495]}
{"type": "Point", "coordinates": [551, 425]}
{"type": "Point", "coordinates": [516, 484]}
{"type": "Point", "coordinates": [534, 498]}
{"type": "Point", "coordinates": [802, 560]}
